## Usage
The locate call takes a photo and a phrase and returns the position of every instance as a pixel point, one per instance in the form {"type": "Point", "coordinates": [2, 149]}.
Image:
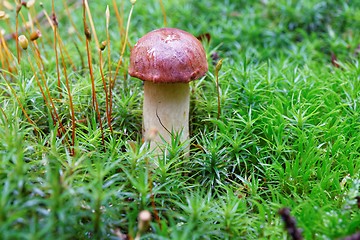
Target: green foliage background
{"type": "Point", "coordinates": [287, 135]}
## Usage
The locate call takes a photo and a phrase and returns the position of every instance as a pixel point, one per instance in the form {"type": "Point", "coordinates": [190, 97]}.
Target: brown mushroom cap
{"type": "Point", "coordinates": [168, 55]}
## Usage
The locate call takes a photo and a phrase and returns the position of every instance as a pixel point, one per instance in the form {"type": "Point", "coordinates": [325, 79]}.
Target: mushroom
{"type": "Point", "coordinates": [167, 59]}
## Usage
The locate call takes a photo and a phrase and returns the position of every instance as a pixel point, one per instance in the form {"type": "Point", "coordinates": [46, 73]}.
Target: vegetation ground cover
{"type": "Point", "coordinates": [286, 136]}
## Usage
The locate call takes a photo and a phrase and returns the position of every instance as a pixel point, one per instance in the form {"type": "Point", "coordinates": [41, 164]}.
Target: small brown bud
{"type": "Point", "coordinates": [23, 42]}
{"type": "Point", "coordinates": [54, 19]}
{"type": "Point", "coordinates": [87, 33]}
{"type": "Point", "coordinates": [103, 45]}
{"type": "Point", "coordinates": [35, 35]}
{"type": "Point", "coordinates": [218, 65]}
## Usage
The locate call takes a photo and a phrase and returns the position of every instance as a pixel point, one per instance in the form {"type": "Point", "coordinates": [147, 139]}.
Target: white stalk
{"type": "Point", "coordinates": [166, 111]}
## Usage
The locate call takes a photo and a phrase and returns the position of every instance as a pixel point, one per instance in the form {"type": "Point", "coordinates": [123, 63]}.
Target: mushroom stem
{"type": "Point", "coordinates": [166, 110]}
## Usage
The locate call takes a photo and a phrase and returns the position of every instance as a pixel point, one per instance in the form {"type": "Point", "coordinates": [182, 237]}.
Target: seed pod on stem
{"type": "Point", "coordinates": [87, 33]}
{"type": "Point", "coordinates": [23, 42]}
{"type": "Point", "coordinates": [103, 45]}
{"type": "Point", "coordinates": [35, 35]}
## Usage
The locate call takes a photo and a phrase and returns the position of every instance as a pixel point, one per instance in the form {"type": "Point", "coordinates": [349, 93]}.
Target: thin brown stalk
{"type": "Point", "coordinates": [4, 114]}
{"type": "Point", "coordinates": [7, 54]}
{"type": "Point", "coordinates": [110, 85]}
{"type": "Point", "coordinates": [217, 69]}
{"type": "Point", "coordinates": [94, 100]}
{"type": "Point", "coordinates": [30, 21]}
{"type": "Point", "coordinates": [68, 57]}
{"type": "Point", "coordinates": [80, 55]}
{"type": "Point", "coordinates": [109, 92]}
{"type": "Point", "coordinates": [163, 12]}
{"type": "Point", "coordinates": [17, 34]}
{"type": "Point", "coordinates": [37, 52]}
{"type": "Point", "coordinates": [125, 42]}
{"type": "Point", "coordinates": [91, 22]}
{"type": "Point", "coordinates": [53, 110]}
{"type": "Point", "coordinates": [3, 66]}
{"type": "Point", "coordinates": [91, 73]}
{"type": "Point", "coordinates": [2, 57]}
{"type": "Point", "coordinates": [41, 88]}
{"type": "Point", "coordinates": [119, 17]}
{"type": "Point", "coordinates": [87, 39]}
{"type": "Point", "coordinates": [72, 111]}
{"type": "Point", "coordinates": [42, 25]}
{"type": "Point", "coordinates": [55, 25]}
{"type": "Point", "coordinates": [58, 41]}
{"type": "Point", "coordinates": [108, 117]}
{"type": "Point", "coordinates": [68, 14]}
